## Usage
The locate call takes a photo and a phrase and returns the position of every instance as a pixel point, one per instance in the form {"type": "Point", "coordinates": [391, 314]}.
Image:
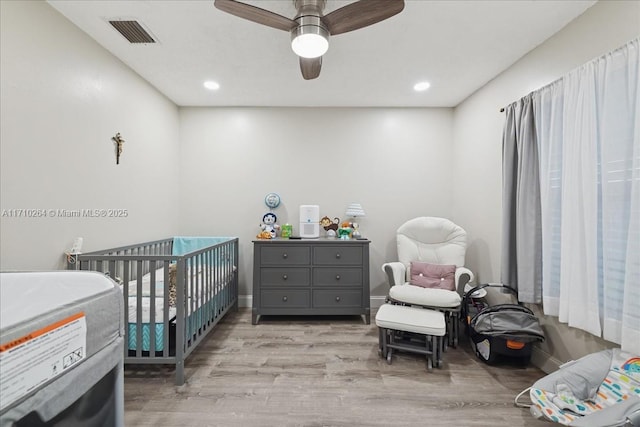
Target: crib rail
{"type": "Point", "coordinates": [145, 251]}
{"type": "Point", "coordinates": [157, 331]}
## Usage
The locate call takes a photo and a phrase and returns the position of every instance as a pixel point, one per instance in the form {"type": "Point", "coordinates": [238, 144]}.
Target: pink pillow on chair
{"type": "Point", "coordinates": [433, 275]}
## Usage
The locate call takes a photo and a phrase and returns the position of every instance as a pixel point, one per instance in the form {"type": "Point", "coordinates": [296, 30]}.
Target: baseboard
{"type": "Point", "coordinates": [245, 301]}
{"type": "Point", "coordinates": [376, 302]}
{"type": "Point", "coordinates": [544, 361]}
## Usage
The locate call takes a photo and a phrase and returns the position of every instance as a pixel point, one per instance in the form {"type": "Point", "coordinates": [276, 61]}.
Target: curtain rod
{"type": "Point", "coordinates": [637, 39]}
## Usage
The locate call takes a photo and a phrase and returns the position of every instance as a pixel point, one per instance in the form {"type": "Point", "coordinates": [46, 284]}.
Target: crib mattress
{"type": "Point", "coordinates": [56, 329]}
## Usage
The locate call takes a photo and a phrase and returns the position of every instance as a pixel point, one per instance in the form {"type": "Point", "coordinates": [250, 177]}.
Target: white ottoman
{"type": "Point", "coordinates": [412, 329]}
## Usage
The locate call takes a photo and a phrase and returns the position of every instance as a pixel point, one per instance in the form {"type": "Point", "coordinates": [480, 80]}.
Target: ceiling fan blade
{"type": "Point", "coordinates": [361, 14]}
{"type": "Point", "coordinates": [255, 14]}
{"type": "Point", "coordinates": [310, 67]}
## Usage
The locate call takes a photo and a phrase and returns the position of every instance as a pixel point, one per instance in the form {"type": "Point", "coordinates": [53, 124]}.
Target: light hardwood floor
{"type": "Point", "coordinates": [299, 371]}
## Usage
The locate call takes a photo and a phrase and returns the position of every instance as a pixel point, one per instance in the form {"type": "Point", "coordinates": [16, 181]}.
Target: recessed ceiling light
{"type": "Point", "coordinates": [211, 85]}
{"type": "Point", "coordinates": [422, 86]}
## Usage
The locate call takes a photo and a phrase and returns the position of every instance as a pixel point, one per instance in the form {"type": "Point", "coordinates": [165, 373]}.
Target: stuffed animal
{"type": "Point", "coordinates": [326, 223]}
{"type": "Point", "coordinates": [264, 235]}
{"type": "Point", "coordinates": [330, 227]}
{"type": "Point", "coordinates": [269, 225]}
{"type": "Point", "coordinates": [344, 232]}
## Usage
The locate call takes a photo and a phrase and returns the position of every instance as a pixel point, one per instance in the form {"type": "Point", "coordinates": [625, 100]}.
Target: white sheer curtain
{"type": "Point", "coordinates": [579, 239]}
{"type": "Point", "coordinates": [588, 127]}
{"type": "Point", "coordinates": [548, 104]}
{"type": "Point", "coordinates": [618, 81]}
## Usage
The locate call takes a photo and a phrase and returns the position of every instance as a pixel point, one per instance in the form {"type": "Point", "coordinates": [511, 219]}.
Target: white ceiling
{"type": "Point", "coordinates": [458, 46]}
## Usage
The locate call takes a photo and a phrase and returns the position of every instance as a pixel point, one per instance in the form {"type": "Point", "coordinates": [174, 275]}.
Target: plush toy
{"type": "Point", "coordinates": [264, 235]}
{"type": "Point", "coordinates": [269, 225]}
{"type": "Point", "coordinates": [344, 232]}
{"type": "Point", "coordinates": [330, 227]}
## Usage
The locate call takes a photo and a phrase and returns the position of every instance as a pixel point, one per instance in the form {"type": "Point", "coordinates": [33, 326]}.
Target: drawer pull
{"type": "Point", "coordinates": [337, 299]}
{"type": "Point", "coordinates": [338, 255]}
{"type": "Point", "coordinates": [284, 298]}
{"type": "Point", "coordinates": [285, 277]}
{"type": "Point", "coordinates": [337, 277]}
{"type": "Point", "coordinates": [285, 255]}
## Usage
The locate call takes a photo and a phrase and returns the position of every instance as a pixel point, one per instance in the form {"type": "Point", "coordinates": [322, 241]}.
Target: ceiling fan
{"type": "Point", "coordinates": [310, 28]}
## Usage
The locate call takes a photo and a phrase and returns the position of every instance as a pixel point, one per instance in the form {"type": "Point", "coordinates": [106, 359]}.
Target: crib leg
{"type": "Point", "coordinates": [180, 372]}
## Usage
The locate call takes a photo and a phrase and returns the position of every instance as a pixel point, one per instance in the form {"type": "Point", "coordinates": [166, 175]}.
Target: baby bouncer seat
{"type": "Point", "coordinates": [598, 390]}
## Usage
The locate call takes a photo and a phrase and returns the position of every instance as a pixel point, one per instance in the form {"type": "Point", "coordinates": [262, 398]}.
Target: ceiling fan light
{"type": "Point", "coordinates": [310, 39]}
{"type": "Point", "coordinates": [310, 45]}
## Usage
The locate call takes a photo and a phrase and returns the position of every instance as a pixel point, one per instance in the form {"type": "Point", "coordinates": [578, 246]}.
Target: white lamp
{"type": "Point", "coordinates": [355, 210]}
{"type": "Point", "coordinates": [310, 39]}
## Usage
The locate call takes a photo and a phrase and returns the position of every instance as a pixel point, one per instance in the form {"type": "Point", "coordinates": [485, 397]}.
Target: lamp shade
{"type": "Point", "coordinates": [355, 210]}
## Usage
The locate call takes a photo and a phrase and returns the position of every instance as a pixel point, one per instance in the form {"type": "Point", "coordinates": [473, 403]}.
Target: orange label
{"type": "Point", "coordinates": [10, 344]}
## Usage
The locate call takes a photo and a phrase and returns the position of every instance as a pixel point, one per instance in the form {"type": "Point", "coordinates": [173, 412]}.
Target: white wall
{"type": "Point", "coordinates": [478, 126]}
{"type": "Point", "coordinates": [395, 162]}
{"type": "Point", "coordinates": [63, 98]}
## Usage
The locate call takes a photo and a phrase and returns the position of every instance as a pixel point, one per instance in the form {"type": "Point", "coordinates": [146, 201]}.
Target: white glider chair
{"type": "Point", "coordinates": [430, 269]}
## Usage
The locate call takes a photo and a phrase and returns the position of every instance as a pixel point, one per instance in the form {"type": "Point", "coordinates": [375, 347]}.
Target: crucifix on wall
{"type": "Point", "coordinates": [119, 141]}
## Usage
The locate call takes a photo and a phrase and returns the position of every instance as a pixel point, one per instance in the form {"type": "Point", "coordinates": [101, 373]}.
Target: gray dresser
{"type": "Point", "coordinates": [311, 277]}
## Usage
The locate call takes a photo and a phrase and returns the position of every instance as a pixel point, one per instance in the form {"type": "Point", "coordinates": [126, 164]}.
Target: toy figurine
{"type": "Point", "coordinates": [269, 225]}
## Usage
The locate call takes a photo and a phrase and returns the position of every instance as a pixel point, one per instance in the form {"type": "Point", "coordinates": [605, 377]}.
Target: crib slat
{"type": "Point", "coordinates": [112, 270]}
{"type": "Point", "coordinates": [152, 308]}
{"type": "Point", "coordinates": [180, 321]}
{"type": "Point", "coordinates": [125, 292]}
{"type": "Point", "coordinates": [138, 276]}
{"type": "Point", "coordinates": [166, 318]}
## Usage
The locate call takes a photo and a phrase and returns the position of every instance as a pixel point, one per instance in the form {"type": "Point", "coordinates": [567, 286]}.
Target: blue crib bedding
{"type": "Point", "coordinates": [184, 244]}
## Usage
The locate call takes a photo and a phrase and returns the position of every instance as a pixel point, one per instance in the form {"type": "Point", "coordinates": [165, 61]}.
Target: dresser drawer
{"type": "Point", "coordinates": [285, 255]}
{"type": "Point", "coordinates": [337, 255]}
{"type": "Point", "coordinates": [285, 298]}
{"type": "Point", "coordinates": [284, 276]}
{"type": "Point", "coordinates": [329, 276]}
{"type": "Point", "coordinates": [338, 298]}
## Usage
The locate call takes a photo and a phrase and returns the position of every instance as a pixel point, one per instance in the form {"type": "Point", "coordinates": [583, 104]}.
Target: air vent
{"type": "Point", "coordinates": [132, 31]}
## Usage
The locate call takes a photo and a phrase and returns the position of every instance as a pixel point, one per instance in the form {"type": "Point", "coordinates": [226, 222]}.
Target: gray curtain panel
{"type": "Point", "coordinates": [521, 266]}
